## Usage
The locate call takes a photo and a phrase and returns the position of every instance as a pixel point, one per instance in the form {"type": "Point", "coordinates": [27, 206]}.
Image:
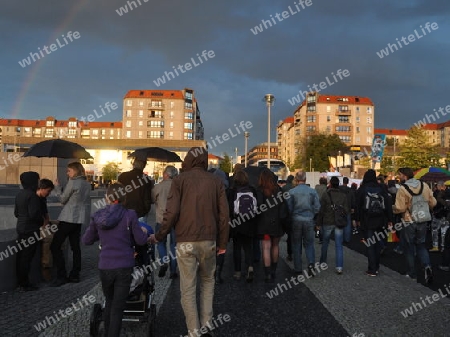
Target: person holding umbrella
{"type": "Point", "coordinates": [75, 198]}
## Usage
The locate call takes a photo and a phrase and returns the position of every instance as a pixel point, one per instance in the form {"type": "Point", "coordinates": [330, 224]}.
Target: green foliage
{"type": "Point", "coordinates": [319, 147]}
{"type": "Point", "coordinates": [226, 165]}
{"type": "Point", "coordinates": [110, 171]}
{"type": "Point", "coordinates": [387, 165]}
{"type": "Point", "coordinates": [416, 152]}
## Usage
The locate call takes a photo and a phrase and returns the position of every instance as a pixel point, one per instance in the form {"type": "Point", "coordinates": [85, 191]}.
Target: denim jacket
{"type": "Point", "coordinates": [303, 203]}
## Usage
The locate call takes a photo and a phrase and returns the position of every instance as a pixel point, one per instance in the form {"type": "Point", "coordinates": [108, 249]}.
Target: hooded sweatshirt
{"type": "Point", "coordinates": [27, 206]}
{"type": "Point", "coordinates": [118, 230]}
{"type": "Point", "coordinates": [197, 204]}
{"type": "Point", "coordinates": [403, 198]}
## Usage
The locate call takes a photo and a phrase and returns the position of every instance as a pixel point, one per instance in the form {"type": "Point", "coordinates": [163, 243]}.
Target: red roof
{"type": "Point", "coordinates": [323, 98]}
{"type": "Point", "coordinates": [289, 119]}
{"type": "Point", "coordinates": [154, 94]}
{"type": "Point", "coordinates": [212, 157]}
{"type": "Point", "coordinates": [430, 126]}
{"type": "Point", "coordinates": [391, 132]}
{"type": "Point", "coordinates": [102, 124]}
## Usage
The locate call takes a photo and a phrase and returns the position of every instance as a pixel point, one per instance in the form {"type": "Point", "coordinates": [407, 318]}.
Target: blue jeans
{"type": "Point", "coordinates": [348, 229]}
{"type": "Point", "coordinates": [162, 248]}
{"type": "Point", "coordinates": [302, 232]}
{"type": "Point", "coordinates": [338, 238]}
{"type": "Point", "coordinates": [116, 286]}
{"type": "Point", "coordinates": [415, 235]}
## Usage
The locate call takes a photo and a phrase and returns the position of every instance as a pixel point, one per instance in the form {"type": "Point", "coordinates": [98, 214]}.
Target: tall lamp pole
{"type": "Point", "coordinates": [236, 151]}
{"type": "Point", "coordinates": [269, 99]}
{"type": "Point", "coordinates": [246, 135]}
{"type": "Point", "coordinates": [393, 159]}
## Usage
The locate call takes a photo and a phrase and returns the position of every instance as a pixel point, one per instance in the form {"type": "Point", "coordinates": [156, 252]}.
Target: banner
{"type": "Point", "coordinates": [379, 141]}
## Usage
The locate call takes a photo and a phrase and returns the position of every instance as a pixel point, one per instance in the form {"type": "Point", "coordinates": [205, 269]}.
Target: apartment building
{"type": "Point", "coordinates": [287, 148]}
{"type": "Point", "coordinates": [352, 118]}
{"type": "Point", "coordinates": [161, 114]}
{"type": "Point", "coordinates": [260, 152]}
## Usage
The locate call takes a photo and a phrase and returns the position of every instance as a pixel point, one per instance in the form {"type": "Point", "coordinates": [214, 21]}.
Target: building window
{"type": "Point", "coordinates": [188, 105]}
{"type": "Point", "coordinates": [369, 129]}
{"type": "Point", "coordinates": [157, 104]}
{"type": "Point", "coordinates": [328, 129]}
{"type": "Point", "coordinates": [72, 124]}
{"type": "Point", "coordinates": [188, 135]}
{"type": "Point", "coordinates": [310, 119]}
{"type": "Point", "coordinates": [128, 124]}
{"type": "Point", "coordinates": [328, 119]}
{"type": "Point", "coordinates": [311, 108]}
{"type": "Point", "coordinates": [343, 129]}
{"type": "Point", "coordinates": [50, 123]}
{"type": "Point", "coordinates": [310, 128]}
{"type": "Point", "coordinates": [357, 129]}
{"type": "Point", "coordinates": [141, 123]}
{"type": "Point", "coordinates": [369, 140]}
{"type": "Point", "coordinates": [311, 98]}
{"type": "Point", "coordinates": [171, 125]}
{"type": "Point", "coordinates": [369, 110]}
{"type": "Point", "coordinates": [188, 126]}
{"type": "Point", "coordinates": [357, 139]}
{"type": "Point", "coordinates": [72, 131]}
{"type": "Point", "coordinates": [188, 115]}
{"type": "Point", "coordinates": [141, 113]}
{"type": "Point", "coordinates": [155, 114]}
{"type": "Point", "coordinates": [103, 132]}
{"type": "Point", "coordinates": [369, 120]}
{"type": "Point", "coordinates": [172, 104]}
{"type": "Point", "coordinates": [171, 114]}
{"type": "Point", "coordinates": [343, 107]}
{"type": "Point", "coordinates": [141, 103]}
{"type": "Point", "coordinates": [128, 134]}
{"type": "Point", "coordinates": [155, 134]}
{"type": "Point", "coordinates": [129, 102]}
{"type": "Point", "coordinates": [357, 109]}
{"type": "Point", "coordinates": [111, 132]}
{"type": "Point", "coordinates": [344, 119]}
{"type": "Point", "coordinates": [140, 134]}
{"type": "Point", "coordinates": [95, 132]}
{"type": "Point", "coordinates": [328, 108]}
{"type": "Point", "coordinates": [170, 134]}
{"type": "Point", "coordinates": [128, 113]}
{"type": "Point", "coordinates": [155, 124]}
{"type": "Point", "coordinates": [345, 139]}
{"type": "Point", "coordinates": [357, 119]}
{"type": "Point", "coordinates": [188, 95]}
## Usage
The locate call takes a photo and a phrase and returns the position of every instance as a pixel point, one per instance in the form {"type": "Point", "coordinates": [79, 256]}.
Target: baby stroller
{"type": "Point", "coordinates": [140, 305]}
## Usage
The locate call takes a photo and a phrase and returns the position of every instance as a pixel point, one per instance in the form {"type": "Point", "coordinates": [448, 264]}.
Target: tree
{"type": "Point", "coordinates": [318, 148]}
{"type": "Point", "coordinates": [226, 165]}
{"type": "Point", "coordinates": [110, 171]}
{"type": "Point", "coordinates": [416, 152]}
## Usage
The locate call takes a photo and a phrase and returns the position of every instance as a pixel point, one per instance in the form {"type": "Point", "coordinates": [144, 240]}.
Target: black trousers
{"type": "Point", "coordinates": [116, 286]}
{"type": "Point", "coordinates": [71, 231]}
{"type": "Point", "coordinates": [244, 242]}
{"type": "Point", "coordinates": [24, 257]}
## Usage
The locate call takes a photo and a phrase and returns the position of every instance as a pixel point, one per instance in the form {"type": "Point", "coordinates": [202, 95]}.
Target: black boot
{"type": "Point", "coordinates": [268, 275]}
{"type": "Point", "coordinates": [219, 267]}
{"type": "Point", "coordinates": [273, 269]}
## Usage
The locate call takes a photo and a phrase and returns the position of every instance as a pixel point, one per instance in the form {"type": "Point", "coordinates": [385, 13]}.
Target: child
{"type": "Point", "coordinates": [45, 187]}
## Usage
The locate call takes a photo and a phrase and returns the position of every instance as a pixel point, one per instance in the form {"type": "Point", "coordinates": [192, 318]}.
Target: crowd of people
{"type": "Point", "coordinates": [209, 210]}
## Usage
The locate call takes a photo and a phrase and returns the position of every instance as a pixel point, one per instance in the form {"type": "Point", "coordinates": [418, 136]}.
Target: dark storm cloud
{"type": "Point", "coordinates": [119, 53]}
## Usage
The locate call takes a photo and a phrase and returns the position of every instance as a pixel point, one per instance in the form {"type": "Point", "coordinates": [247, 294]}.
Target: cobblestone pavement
{"type": "Point", "coordinates": [326, 305]}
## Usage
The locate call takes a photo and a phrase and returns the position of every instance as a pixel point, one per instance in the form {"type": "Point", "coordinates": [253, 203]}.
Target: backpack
{"type": "Point", "coordinates": [420, 210]}
{"type": "Point", "coordinates": [340, 215]}
{"type": "Point", "coordinates": [374, 204]}
{"type": "Point", "coordinates": [245, 203]}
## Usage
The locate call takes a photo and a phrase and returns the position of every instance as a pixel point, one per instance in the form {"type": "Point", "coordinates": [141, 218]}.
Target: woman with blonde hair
{"type": "Point", "coordinates": [76, 199]}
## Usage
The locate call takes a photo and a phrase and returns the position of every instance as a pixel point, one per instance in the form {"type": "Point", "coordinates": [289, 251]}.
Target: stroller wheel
{"type": "Point", "coordinates": [95, 319]}
{"type": "Point", "coordinates": [151, 321]}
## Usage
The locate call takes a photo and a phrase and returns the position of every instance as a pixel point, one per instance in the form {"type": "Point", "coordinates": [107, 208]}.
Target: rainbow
{"type": "Point", "coordinates": [36, 66]}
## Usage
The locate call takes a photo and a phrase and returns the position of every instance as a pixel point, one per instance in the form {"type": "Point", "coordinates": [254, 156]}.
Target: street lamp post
{"type": "Point", "coordinates": [246, 135]}
{"type": "Point", "coordinates": [269, 99]}
{"type": "Point", "coordinates": [310, 164]}
{"type": "Point", "coordinates": [393, 158]}
{"type": "Point", "coordinates": [236, 151]}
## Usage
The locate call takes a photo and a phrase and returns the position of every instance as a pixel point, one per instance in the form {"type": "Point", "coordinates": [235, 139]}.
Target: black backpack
{"type": "Point", "coordinates": [374, 203]}
{"type": "Point", "coordinates": [340, 215]}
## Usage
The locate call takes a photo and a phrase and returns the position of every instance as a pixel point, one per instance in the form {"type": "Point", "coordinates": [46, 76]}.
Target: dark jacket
{"type": "Point", "coordinates": [441, 209]}
{"type": "Point", "coordinates": [326, 213]}
{"type": "Point", "coordinates": [27, 207]}
{"type": "Point", "coordinates": [118, 230]}
{"type": "Point", "coordinates": [272, 214]}
{"type": "Point", "coordinates": [197, 204]}
{"type": "Point", "coordinates": [361, 214]}
{"type": "Point", "coordinates": [350, 195]}
{"type": "Point", "coordinates": [140, 196]}
{"type": "Point", "coordinates": [241, 225]}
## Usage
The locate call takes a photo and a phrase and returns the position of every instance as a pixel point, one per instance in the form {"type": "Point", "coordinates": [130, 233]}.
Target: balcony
{"type": "Point", "coordinates": [343, 112]}
{"type": "Point", "coordinates": [153, 106]}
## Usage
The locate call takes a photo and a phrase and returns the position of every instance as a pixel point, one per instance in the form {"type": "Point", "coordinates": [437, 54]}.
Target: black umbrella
{"type": "Point", "coordinates": [253, 173]}
{"type": "Point", "coordinates": [57, 148]}
{"type": "Point", "coordinates": [155, 154]}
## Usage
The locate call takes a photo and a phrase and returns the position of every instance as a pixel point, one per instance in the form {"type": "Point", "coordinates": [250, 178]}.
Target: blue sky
{"type": "Point", "coordinates": [117, 53]}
